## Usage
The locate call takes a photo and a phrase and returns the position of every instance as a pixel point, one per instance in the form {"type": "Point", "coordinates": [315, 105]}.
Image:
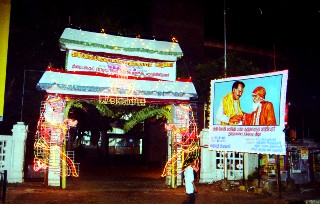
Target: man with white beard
{"type": "Point", "coordinates": [262, 111]}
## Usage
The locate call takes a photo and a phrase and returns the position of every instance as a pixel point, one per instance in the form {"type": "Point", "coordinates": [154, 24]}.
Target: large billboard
{"type": "Point", "coordinates": [93, 62]}
{"type": "Point", "coordinates": [4, 36]}
{"type": "Point", "coordinates": [248, 113]}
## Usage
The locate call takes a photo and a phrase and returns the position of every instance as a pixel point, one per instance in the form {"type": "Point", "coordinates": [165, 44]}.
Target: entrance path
{"type": "Point", "coordinates": [131, 181]}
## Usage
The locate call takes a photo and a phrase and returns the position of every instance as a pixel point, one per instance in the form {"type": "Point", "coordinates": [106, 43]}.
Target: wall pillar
{"type": "Point", "coordinates": [250, 163]}
{"type": "Point", "coordinates": [207, 156]}
{"type": "Point", "coordinates": [19, 136]}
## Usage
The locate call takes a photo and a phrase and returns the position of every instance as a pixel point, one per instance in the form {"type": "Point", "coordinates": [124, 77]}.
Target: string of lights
{"type": "Point", "coordinates": [51, 136]}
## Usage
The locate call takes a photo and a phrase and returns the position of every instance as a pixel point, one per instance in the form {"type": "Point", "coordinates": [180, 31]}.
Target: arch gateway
{"type": "Point", "coordinates": [113, 70]}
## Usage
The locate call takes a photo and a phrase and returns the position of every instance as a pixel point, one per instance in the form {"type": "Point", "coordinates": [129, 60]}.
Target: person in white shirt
{"type": "Point", "coordinates": [189, 181]}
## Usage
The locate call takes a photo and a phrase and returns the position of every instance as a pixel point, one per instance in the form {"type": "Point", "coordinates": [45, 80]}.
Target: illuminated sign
{"type": "Point", "coordinates": [124, 101]}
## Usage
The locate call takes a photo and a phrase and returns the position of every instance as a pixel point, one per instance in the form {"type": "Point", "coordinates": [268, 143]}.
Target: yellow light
{"type": "Point", "coordinates": [174, 39]}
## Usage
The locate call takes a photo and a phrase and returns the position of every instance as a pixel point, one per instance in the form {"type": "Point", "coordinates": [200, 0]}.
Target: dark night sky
{"type": "Point", "coordinates": [292, 26]}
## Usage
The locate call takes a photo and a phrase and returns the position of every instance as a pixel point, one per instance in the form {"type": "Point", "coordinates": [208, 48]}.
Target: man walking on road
{"type": "Point", "coordinates": [189, 181]}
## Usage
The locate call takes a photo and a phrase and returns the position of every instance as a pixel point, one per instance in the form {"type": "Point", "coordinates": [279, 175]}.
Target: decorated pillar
{"type": "Point", "coordinates": [182, 144]}
{"type": "Point", "coordinates": [54, 167]}
{"type": "Point", "coordinates": [168, 170]}
{"type": "Point", "coordinates": [54, 114]}
{"type": "Point", "coordinates": [180, 117]}
{"type": "Point", "coordinates": [50, 143]}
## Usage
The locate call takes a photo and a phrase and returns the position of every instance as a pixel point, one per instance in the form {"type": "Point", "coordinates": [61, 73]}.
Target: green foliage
{"type": "Point", "coordinates": [70, 104]}
{"type": "Point", "coordinates": [236, 66]}
{"type": "Point", "coordinates": [137, 115]}
{"type": "Point", "coordinates": [148, 112]}
{"type": "Point", "coordinates": [103, 109]}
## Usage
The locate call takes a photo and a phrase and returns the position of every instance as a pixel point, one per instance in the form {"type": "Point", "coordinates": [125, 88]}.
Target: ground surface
{"type": "Point", "coordinates": [105, 181]}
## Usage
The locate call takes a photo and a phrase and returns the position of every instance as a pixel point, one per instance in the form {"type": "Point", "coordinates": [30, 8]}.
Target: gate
{"type": "Point", "coordinates": [234, 165]}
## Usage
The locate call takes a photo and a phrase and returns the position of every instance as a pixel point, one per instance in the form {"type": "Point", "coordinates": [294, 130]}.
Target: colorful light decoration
{"type": "Point", "coordinates": [189, 149]}
{"type": "Point", "coordinates": [174, 39]}
{"type": "Point", "coordinates": [51, 137]}
{"type": "Point", "coordinates": [127, 87]}
{"type": "Point", "coordinates": [95, 84]}
{"type": "Point", "coordinates": [50, 121]}
{"type": "Point", "coordinates": [122, 86]}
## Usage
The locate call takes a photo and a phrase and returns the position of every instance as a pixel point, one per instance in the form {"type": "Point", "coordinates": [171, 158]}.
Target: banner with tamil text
{"type": "Point", "coordinates": [90, 62]}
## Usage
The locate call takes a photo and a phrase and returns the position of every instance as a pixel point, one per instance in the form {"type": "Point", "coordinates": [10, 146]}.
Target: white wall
{"type": "Point", "coordinates": [208, 169]}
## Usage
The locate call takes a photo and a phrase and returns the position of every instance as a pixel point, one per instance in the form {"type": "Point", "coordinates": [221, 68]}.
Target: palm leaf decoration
{"type": "Point", "coordinates": [103, 109]}
{"type": "Point", "coordinates": [72, 103]}
{"type": "Point", "coordinates": [148, 112]}
{"type": "Point", "coordinates": [138, 117]}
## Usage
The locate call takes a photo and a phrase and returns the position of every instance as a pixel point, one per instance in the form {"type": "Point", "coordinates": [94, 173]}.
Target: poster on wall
{"type": "Point", "coordinates": [247, 113]}
{"type": "Point", "coordinates": [92, 62]}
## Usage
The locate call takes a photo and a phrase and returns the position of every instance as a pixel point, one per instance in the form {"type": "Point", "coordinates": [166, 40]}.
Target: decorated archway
{"type": "Point", "coordinates": [113, 70]}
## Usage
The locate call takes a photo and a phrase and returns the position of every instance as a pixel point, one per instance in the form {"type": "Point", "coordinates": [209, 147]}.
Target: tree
{"type": "Point", "coordinates": [214, 69]}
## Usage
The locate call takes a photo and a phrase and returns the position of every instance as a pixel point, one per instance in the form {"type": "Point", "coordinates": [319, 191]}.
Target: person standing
{"type": "Point", "coordinates": [262, 110]}
{"type": "Point", "coordinates": [229, 111]}
{"type": "Point", "coordinates": [189, 181]}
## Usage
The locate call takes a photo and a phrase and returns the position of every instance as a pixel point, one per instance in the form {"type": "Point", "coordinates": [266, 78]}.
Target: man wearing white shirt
{"type": "Point", "coordinates": [189, 181]}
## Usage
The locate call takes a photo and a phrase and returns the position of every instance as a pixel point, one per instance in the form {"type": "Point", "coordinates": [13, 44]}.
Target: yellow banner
{"type": "Point", "coordinates": [4, 36]}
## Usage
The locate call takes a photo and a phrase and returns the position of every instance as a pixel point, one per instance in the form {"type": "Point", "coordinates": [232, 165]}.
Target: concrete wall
{"type": "Point", "coordinates": [208, 169]}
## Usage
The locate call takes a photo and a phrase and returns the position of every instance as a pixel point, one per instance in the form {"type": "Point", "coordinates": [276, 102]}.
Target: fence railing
{"type": "Point", "coordinates": [12, 153]}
